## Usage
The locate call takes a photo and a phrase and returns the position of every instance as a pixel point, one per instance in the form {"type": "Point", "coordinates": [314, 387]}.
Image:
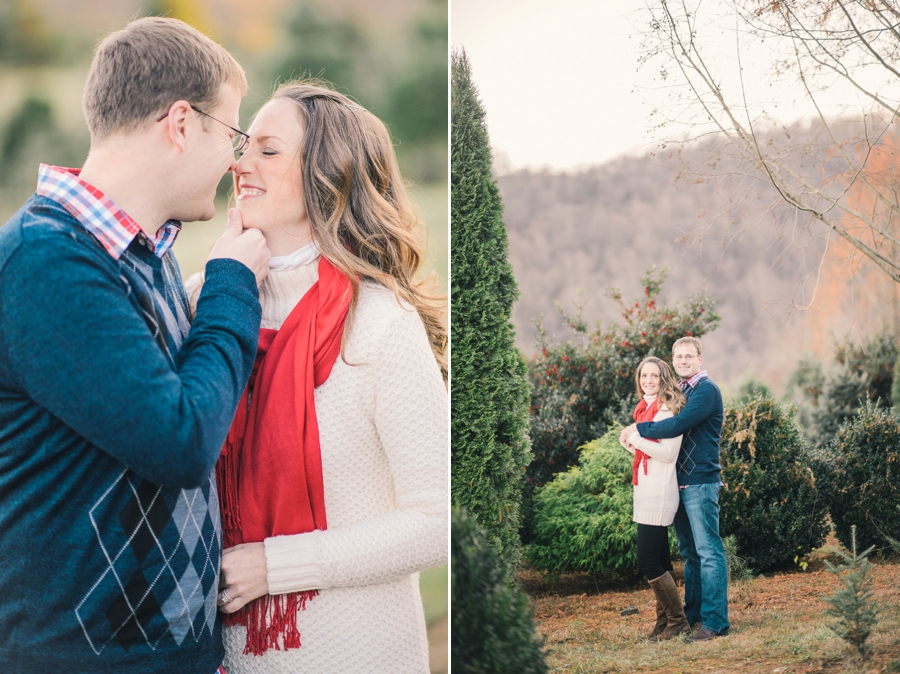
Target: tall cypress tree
{"type": "Point", "coordinates": [490, 389]}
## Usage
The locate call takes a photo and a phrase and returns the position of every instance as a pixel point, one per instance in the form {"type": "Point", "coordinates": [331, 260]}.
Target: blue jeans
{"type": "Point", "coordinates": [705, 570]}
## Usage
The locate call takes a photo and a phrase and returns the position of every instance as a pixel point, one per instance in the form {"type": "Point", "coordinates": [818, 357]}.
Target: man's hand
{"type": "Point", "coordinates": [247, 246]}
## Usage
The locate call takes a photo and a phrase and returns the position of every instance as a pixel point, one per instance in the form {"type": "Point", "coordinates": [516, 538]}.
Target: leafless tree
{"type": "Point", "coordinates": [843, 171]}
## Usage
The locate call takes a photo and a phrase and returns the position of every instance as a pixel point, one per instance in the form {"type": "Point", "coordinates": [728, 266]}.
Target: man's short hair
{"type": "Point", "coordinates": [139, 71]}
{"type": "Point", "coordinates": [688, 340]}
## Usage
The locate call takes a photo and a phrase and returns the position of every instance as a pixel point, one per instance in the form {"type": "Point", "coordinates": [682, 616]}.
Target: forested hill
{"type": "Point", "coordinates": [718, 229]}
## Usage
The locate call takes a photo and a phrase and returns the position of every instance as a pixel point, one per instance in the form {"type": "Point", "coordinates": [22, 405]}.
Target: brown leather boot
{"type": "Point", "coordinates": [667, 595]}
{"type": "Point", "coordinates": [661, 621]}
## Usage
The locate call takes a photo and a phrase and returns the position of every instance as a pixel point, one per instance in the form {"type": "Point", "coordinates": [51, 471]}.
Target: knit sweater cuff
{"type": "Point", "coordinates": [293, 563]}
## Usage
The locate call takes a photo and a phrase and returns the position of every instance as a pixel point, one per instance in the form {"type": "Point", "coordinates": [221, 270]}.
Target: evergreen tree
{"type": "Point", "coordinates": [844, 391]}
{"type": "Point", "coordinates": [852, 604]}
{"type": "Point", "coordinates": [490, 390]}
{"type": "Point", "coordinates": [493, 630]}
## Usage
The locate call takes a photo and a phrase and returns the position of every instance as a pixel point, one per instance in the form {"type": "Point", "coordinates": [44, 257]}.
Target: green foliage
{"type": "Point", "coordinates": [489, 420]}
{"type": "Point", "coordinates": [827, 399]}
{"type": "Point", "coordinates": [582, 518]}
{"type": "Point", "coordinates": [807, 379]}
{"type": "Point", "coordinates": [405, 86]}
{"type": "Point", "coordinates": [32, 136]}
{"type": "Point", "coordinates": [582, 386]}
{"type": "Point", "coordinates": [322, 45]}
{"type": "Point", "coordinates": [738, 568]}
{"type": "Point", "coordinates": [492, 630]}
{"type": "Point", "coordinates": [876, 359]}
{"type": "Point", "coordinates": [770, 501]}
{"type": "Point", "coordinates": [418, 99]}
{"type": "Point", "coordinates": [858, 474]}
{"type": "Point", "coordinates": [24, 37]}
{"type": "Point", "coordinates": [750, 389]}
{"type": "Point", "coordinates": [852, 604]}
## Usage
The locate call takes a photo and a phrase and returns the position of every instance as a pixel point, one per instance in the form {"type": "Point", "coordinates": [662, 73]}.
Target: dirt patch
{"type": "Point", "coordinates": [778, 625]}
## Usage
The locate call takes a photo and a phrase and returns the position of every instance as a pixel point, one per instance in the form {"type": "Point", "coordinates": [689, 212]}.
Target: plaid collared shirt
{"type": "Point", "coordinates": [693, 381]}
{"type": "Point", "coordinates": [114, 228]}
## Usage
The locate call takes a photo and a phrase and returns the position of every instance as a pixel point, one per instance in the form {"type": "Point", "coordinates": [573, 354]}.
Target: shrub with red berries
{"type": "Point", "coordinates": [583, 385]}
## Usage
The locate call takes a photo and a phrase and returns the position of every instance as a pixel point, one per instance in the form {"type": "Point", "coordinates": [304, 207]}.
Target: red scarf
{"type": "Point", "coordinates": [643, 412]}
{"type": "Point", "coordinates": [270, 472]}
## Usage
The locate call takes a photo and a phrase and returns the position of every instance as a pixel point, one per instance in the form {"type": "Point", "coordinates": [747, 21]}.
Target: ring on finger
{"type": "Point", "coordinates": [224, 598]}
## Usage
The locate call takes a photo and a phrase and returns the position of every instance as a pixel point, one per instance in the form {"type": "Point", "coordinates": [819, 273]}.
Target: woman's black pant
{"type": "Point", "coordinates": [653, 550]}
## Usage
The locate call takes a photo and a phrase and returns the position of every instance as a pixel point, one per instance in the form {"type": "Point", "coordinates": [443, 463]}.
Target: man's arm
{"type": "Point", "coordinates": [78, 347]}
{"type": "Point", "coordinates": [701, 405]}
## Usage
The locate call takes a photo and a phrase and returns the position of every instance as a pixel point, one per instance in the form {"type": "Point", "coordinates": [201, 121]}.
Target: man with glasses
{"type": "Point", "coordinates": [113, 405]}
{"type": "Point", "coordinates": [699, 480]}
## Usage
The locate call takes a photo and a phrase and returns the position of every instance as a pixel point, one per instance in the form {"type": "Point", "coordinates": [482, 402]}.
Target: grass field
{"type": "Point", "coordinates": [778, 626]}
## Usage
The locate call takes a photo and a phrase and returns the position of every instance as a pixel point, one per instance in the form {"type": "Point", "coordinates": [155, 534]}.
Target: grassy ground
{"type": "Point", "coordinates": [433, 583]}
{"type": "Point", "coordinates": [778, 626]}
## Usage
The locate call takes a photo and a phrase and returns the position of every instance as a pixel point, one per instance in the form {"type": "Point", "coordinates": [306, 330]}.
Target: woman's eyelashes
{"type": "Point", "coordinates": [268, 152]}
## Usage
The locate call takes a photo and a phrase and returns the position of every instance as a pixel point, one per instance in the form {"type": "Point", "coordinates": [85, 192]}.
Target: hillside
{"type": "Point", "coordinates": [717, 227]}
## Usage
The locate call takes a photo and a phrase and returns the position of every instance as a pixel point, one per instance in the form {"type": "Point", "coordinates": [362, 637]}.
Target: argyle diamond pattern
{"type": "Point", "coordinates": [160, 580]}
{"type": "Point", "coordinates": [686, 463]}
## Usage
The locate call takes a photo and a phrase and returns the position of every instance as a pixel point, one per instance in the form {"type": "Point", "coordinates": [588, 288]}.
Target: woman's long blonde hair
{"type": "Point", "coordinates": [358, 209]}
{"type": "Point", "coordinates": [670, 394]}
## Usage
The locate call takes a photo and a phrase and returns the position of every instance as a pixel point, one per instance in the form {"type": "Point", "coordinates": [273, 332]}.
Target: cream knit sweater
{"type": "Point", "coordinates": [656, 493]}
{"type": "Point", "coordinates": [383, 429]}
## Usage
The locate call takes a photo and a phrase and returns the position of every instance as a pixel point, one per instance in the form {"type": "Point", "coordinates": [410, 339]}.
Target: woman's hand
{"type": "Point", "coordinates": [626, 433]}
{"type": "Point", "coordinates": [244, 576]}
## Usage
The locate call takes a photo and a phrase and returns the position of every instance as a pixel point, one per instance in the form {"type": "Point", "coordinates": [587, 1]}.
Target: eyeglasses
{"type": "Point", "coordinates": [238, 141]}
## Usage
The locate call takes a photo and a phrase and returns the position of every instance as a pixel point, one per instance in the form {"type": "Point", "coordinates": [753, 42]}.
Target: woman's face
{"type": "Point", "coordinates": [267, 178]}
{"type": "Point", "coordinates": [650, 379]}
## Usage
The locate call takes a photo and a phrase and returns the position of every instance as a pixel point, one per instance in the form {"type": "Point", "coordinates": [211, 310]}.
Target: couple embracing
{"type": "Point", "coordinates": [157, 513]}
{"type": "Point", "coordinates": [677, 477]}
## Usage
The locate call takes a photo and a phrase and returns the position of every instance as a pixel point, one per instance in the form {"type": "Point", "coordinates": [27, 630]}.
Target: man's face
{"type": "Point", "coordinates": [211, 155]}
{"type": "Point", "coordinates": [686, 360]}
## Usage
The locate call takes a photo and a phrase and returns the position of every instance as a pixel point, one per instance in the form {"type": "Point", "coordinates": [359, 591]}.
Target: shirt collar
{"type": "Point", "coordinates": [114, 228]}
{"type": "Point", "coordinates": [693, 381]}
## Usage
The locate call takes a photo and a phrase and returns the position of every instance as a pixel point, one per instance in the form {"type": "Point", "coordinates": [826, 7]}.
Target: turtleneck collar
{"type": "Point", "coordinates": [299, 258]}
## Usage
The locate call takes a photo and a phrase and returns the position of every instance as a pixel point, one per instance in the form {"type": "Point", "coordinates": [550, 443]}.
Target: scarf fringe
{"type": "Point", "coordinates": [228, 470]}
{"type": "Point", "coordinates": [271, 617]}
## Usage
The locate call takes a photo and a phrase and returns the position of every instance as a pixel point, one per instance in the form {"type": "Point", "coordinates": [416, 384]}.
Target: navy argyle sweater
{"type": "Point", "coordinates": [701, 424]}
{"type": "Point", "coordinates": [113, 410]}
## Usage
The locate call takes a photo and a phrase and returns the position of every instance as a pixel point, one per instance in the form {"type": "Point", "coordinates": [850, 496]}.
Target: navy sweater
{"type": "Point", "coordinates": [113, 411]}
{"type": "Point", "coordinates": [701, 424]}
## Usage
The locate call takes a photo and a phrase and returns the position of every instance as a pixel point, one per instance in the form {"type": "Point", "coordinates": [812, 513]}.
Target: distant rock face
{"type": "Point", "coordinates": [717, 228]}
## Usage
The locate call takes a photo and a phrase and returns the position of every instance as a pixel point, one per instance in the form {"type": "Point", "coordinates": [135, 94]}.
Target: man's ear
{"type": "Point", "coordinates": [176, 122]}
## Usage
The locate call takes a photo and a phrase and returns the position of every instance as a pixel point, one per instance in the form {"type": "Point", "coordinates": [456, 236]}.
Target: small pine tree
{"type": "Point", "coordinates": [852, 604]}
{"type": "Point", "coordinates": [491, 394]}
{"type": "Point", "coordinates": [492, 629]}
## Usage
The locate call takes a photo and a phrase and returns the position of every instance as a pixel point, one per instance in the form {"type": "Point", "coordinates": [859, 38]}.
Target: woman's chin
{"type": "Point", "coordinates": [247, 219]}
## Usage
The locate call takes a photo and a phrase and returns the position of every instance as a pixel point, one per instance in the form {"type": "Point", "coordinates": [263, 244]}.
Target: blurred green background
{"type": "Point", "coordinates": [390, 55]}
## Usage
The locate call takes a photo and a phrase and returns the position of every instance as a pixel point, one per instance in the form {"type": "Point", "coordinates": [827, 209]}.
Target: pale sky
{"type": "Point", "coordinates": [561, 84]}
{"type": "Point", "coordinates": [555, 78]}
